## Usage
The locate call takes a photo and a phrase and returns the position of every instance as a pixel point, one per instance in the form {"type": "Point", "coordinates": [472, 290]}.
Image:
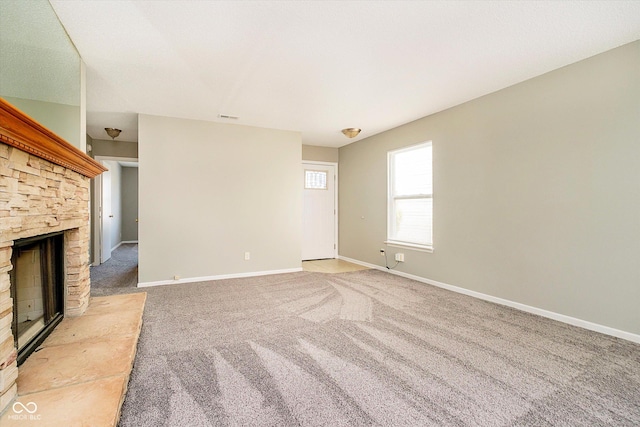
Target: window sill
{"type": "Point", "coordinates": [418, 248]}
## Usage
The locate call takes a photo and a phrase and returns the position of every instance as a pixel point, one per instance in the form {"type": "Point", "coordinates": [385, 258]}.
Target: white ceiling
{"type": "Point", "coordinates": [320, 66]}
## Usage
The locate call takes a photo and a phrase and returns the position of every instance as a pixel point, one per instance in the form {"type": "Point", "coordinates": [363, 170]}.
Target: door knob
{"type": "Point", "coordinates": [110, 216]}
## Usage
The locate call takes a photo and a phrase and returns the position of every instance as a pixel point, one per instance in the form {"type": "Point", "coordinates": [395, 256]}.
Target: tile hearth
{"type": "Point", "coordinates": [79, 375]}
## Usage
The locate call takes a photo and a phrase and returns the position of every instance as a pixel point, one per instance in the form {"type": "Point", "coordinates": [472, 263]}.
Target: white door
{"type": "Point", "coordinates": [105, 215]}
{"type": "Point", "coordinates": [319, 211]}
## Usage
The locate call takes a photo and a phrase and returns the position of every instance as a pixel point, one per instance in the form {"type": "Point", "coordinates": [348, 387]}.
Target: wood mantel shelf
{"type": "Point", "coordinates": [19, 130]}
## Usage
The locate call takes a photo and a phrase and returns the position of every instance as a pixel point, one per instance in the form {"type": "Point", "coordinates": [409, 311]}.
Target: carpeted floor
{"type": "Point", "coordinates": [367, 348]}
{"type": "Point", "coordinates": [120, 271]}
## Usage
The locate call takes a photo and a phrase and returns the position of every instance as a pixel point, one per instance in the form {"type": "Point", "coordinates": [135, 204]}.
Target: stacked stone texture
{"type": "Point", "coordinates": [38, 197]}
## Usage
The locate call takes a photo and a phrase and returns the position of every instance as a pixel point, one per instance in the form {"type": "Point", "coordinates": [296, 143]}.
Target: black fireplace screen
{"type": "Point", "coordinates": [37, 289]}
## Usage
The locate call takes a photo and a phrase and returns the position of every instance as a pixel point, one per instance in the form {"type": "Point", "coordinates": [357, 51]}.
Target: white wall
{"type": "Point", "coordinates": [536, 192]}
{"type": "Point", "coordinates": [210, 192]}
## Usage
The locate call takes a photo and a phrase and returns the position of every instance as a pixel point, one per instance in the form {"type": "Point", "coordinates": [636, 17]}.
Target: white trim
{"type": "Point", "coordinates": [116, 159]}
{"type": "Point", "coordinates": [97, 206]}
{"type": "Point", "coordinates": [335, 202]}
{"type": "Point", "coordinates": [412, 246]}
{"type": "Point", "coordinates": [83, 106]}
{"type": "Point", "coordinates": [122, 242]}
{"type": "Point", "coordinates": [96, 220]}
{"type": "Point", "coordinates": [313, 162]}
{"type": "Point", "coordinates": [391, 197]}
{"type": "Point", "coordinates": [523, 307]}
{"type": "Point", "coordinates": [219, 277]}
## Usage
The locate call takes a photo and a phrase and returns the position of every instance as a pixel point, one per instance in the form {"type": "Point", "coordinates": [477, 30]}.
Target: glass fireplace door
{"type": "Point", "coordinates": [36, 288]}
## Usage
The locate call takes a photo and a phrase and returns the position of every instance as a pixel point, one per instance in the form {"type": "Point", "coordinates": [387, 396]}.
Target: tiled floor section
{"type": "Point", "coordinates": [79, 376]}
{"type": "Point", "coordinates": [331, 266]}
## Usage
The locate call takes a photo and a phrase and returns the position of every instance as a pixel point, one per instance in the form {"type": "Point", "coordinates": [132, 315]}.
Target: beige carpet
{"type": "Point", "coordinates": [368, 348]}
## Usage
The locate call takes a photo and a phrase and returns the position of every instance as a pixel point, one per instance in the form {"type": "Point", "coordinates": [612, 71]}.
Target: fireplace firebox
{"type": "Point", "coordinates": [37, 289]}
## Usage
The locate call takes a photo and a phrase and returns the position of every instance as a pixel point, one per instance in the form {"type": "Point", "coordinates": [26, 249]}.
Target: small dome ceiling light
{"type": "Point", "coordinates": [113, 132]}
{"type": "Point", "coordinates": [351, 132]}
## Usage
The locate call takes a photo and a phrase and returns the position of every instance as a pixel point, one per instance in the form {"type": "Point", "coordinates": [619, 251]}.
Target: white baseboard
{"type": "Point", "coordinates": [523, 307]}
{"type": "Point", "coordinates": [122, 243]}
{"type": "Point", "coordinates": [219, 277]}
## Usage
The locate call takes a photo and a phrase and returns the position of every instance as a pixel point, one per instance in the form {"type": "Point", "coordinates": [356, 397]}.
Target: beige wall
{"type": "Point", "coordinates": [210, 192]}
{"type": "Point", "coordinates": [536, 192]}
{"type": "Point", "coordinates": [320, 154]}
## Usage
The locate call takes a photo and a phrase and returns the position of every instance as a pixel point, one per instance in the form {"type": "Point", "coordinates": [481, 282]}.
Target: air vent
{"type": "Point", "coordinates": [226, 116]}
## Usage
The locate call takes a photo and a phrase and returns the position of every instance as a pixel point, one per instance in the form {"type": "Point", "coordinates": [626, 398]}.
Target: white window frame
{"type": "Point", "coordinates": [391, 198]}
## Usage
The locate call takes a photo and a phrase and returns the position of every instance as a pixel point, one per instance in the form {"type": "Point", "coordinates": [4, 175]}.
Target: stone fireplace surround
{"type": "Point", "coordinates": [44, 188]}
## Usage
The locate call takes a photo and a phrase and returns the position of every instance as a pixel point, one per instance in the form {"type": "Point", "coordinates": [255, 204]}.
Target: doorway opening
{"type": "Point", "coordinates": [320, 210]}
{"type": "Point", "coordinates": [115, 225]}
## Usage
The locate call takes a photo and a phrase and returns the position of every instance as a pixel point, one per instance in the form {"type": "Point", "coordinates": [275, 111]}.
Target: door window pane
{"type": "Point", "coordinates": [315, 180]}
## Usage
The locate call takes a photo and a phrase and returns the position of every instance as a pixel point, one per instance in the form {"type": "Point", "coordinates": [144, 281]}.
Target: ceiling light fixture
{"type": "Point", "coordinates": [351, 132]}
{"type": "Point", "coordinates": [113, 132]}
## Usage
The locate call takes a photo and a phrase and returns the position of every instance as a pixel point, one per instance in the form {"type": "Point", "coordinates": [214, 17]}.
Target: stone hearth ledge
{"type": "Point", "coordinates": [79, 375]}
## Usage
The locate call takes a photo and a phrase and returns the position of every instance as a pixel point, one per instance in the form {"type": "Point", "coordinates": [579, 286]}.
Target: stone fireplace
{"type": "Point", "coordinates": [44, 190]}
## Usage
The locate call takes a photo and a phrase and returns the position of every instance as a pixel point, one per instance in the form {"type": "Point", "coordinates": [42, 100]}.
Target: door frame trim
{"type": "Point", "coordinates": [96, 222]}
{"type": "Point", "coordinates": [335, 201]}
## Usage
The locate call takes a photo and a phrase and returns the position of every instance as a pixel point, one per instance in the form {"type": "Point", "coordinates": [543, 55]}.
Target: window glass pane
{"type": "Point", "coordinates": [412, 222]}
{"type": "Point", "coordinates": [410, 217]}
{"type": "Point", "coordinates": [412, 170]}
{"type": "Point", "coordinates": [315, 180]}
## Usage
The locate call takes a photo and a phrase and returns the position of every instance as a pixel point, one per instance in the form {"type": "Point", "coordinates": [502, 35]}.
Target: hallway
{"type": "Point", "coordinates": [120, 271]}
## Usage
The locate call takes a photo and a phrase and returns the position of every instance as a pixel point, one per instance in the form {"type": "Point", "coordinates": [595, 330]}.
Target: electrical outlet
{"type": "Point", "coordinates": [247, 256]}
{"type": "Point", "coordinates": [400, 257]}
{"type": "Point", "coordinates": [381, 252]}
{"type": "Point", "coordinates": [176, 277]}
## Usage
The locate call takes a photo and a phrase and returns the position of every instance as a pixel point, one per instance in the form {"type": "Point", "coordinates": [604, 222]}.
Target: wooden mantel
{"type": "Point", "coordinates": [19, 130]}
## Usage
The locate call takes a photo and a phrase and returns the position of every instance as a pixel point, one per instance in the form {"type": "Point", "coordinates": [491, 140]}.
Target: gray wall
{"type": "Point", "coordinates": [129, 204]}
{"type": "Point", "coordinates": [536, 192]}
{"type": "Point", "coordinates": [320, 154]}
{"type": "Point", "coordinates": [63, 120]}
{"type": "Point", "coordinates": [114, 148]}
{"type": "Point", "coordinates": [210, 192]}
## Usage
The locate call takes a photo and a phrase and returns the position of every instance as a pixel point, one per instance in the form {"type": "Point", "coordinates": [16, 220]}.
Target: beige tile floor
{"type": "Point", "coordinates": [331, 266]}
{"type": "Point", "coordinates": [79, 375]}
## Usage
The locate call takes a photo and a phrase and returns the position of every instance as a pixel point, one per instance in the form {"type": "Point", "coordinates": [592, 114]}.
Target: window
{"type": "Point", "coordinates": [410, 203]}
{"type": "Point", "coordinates": [315, 180]}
